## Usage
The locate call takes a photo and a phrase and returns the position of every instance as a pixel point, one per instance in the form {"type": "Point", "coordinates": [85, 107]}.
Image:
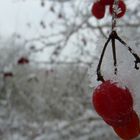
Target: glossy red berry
{"type": "Point", "coordinates": [131, 130]}
{"type": "Point", "coordinates": [107, 2]}
{"type": "Point", "coordinates": [121, 9]}
{"type": "Point", "coordinates": [119, 120]}
{"type": "Point", "coordinates": [113, 103]}
{"type": "Point", "coordinates": [98, 10]}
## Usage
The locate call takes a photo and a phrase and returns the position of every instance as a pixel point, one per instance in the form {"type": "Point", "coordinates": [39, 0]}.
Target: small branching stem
{"type": "Point", "coordinates": [99, 75]}
{"type": "Point", "coordinates": [114, 55]}
{"type": "Point", "coordinates": [137, 58]}
{"type": "Point", "coordinates": [114, 22]}
{"type": "Point", "coordinates": [114, 19]}
{"type": "Point", "coordinates": [112, 38]}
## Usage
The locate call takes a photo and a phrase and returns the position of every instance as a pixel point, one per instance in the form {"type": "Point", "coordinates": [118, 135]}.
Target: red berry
{"type": "Point", "coordinates": [7, 74]}
{"type": "Point", "coordinates": [98, 10]}
{"type": "Point", "coordinates": [119, 120]}
{"type": "Point", "coordinates": [23, 60]}
{"type": "Point", "coordinates": [121, 8]}
{"type": "Point", "coordinates": [131, 130]}
{"type": "Point", "coordinates": [113, 103]}
{"type": "Point", "coordinates": [107, 2]}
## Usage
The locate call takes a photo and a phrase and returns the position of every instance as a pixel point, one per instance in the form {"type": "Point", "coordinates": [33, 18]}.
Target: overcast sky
{"type": "Point", "coordinates": [15, 14]}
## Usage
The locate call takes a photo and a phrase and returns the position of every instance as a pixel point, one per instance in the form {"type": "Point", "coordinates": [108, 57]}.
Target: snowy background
{"type": "Point", "coordinates": [50, 98]}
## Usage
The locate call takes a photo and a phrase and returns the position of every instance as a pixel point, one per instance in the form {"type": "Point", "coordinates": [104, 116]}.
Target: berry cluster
{"type": "Point", "coordinates": [115, 105]}
{"type": "Point", "coordinates": [98, 8]}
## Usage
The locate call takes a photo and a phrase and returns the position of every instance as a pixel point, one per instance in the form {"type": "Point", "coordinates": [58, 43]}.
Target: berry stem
{"type": "Point", "coordinates": [114, 22]}
{"type": "Point", "coordinates": [114, 15]}
{"type": "Point", "coordinates": [137, 58]}
{"type": "Point", "coordinates": [114, 55]}
{"type": "Point", "coordinates": [112, 38]}
{"type": "Point", "coordinates": [99, 75]}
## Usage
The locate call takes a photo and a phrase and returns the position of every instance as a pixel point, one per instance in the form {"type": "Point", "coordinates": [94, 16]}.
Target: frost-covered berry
{"type": "Point", "coordinates": [131, 130]}
{"type": "Point", "coordinates": [107, 2]}
{"type": "Point", "coordinates": [113, 103]}
{"type": "Point", "coordinates": [121, 9]}
{"type": "Point", "coordinates": [98, 10]}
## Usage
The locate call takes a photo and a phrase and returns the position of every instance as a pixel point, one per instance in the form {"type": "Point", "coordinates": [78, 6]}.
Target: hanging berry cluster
{"type": "Point", "coordinates": [99, 7]}
{"type": "Point", "coordinates": [113, 102]}
{"type": "Point", "coordinates": [115, 105]}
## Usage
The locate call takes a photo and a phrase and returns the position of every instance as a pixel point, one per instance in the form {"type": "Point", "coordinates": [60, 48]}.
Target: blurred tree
{"type": "Point", "coordinates": [53, 102]}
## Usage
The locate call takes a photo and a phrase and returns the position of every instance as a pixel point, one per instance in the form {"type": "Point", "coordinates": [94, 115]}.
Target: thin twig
{"type": "Point", "coordinates": [114, 22]}
{"type": "Point", "coordinates": [99, 75]}
{"type": "Point", "coordinates": [115, 8]}
{"type": "Point", "coordinates": [114, 55]}
{"type": "Point", "coordinates": [137, 58]}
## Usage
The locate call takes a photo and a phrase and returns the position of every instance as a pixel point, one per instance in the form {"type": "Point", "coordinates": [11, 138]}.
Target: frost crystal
{"type": "Point", "coordinates": [116, 9]}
